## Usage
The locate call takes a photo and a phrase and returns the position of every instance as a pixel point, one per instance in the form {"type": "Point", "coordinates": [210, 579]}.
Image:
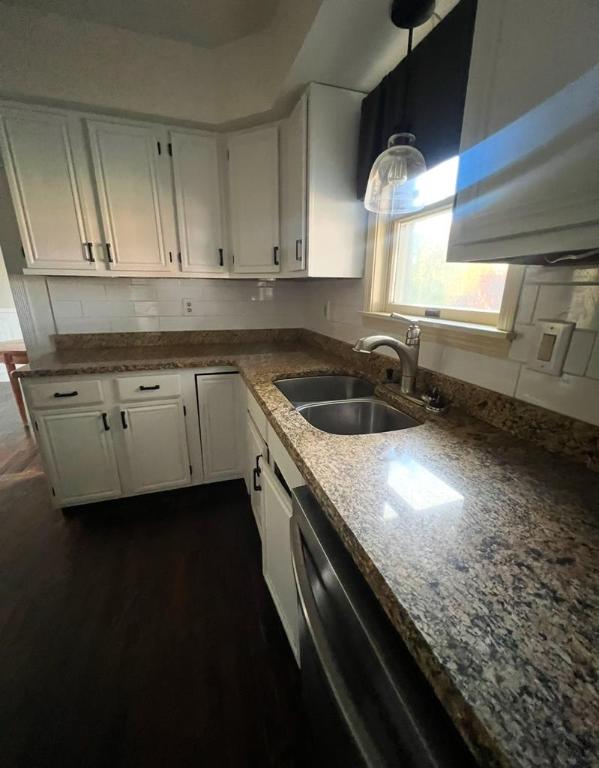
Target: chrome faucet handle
{"type": "Point", "coordinates": [414, 330]}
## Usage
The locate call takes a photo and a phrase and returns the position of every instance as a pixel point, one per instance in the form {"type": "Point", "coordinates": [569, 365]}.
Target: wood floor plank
{"type": "Point", "coordinates": [140, 632]}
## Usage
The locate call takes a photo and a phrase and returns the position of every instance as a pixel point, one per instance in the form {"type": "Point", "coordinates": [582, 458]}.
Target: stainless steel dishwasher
{"type": "Point", "coordinates": [367, 701]}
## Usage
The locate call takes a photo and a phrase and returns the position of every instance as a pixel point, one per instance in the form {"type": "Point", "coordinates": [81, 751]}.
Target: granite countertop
{"type": "Point", "coordinates": [482, 549]}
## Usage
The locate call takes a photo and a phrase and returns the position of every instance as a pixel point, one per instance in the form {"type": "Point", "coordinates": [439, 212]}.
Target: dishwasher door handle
{"type": "Point", "coordinates": [335, 681]}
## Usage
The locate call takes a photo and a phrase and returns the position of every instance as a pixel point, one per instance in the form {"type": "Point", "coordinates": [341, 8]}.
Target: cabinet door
{"type": "Point", "coordinates": [220, 425]}
{"type": "Point", "coordinates": [256, 460]}
{"type": "Point", "coordinates": [293, 188]}
{"type": "Point", "coordinates": [276, 553]}
{"type": "Point", "coordinates": [254, 197]}
{"type": "Point", "coordinates": [155, 446]}
{"type": "Point", "coordinates": [37, 148]}
{"type": "Point", "coordinates": [130, 191]}
{"type": "Point", "coordinates": [78, 452]}
{"type": "Point", "coordinates": [528, 179]}
{"type": "Point", "coordinates": [198, 198]}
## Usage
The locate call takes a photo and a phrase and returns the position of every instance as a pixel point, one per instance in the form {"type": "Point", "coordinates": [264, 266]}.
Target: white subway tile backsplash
{"type": "Point", "coordinates": [67, 309]}
{"type": "Point", "coordinates": [93, 308]}
{"type": "Point", "coordinates": [158, 308]}
{"type": "Point", "coordinates": [575, 396]}
{"type": "Point", "coordinates": [125, 324]}
{"type": "Point", "coordinates": [579, 303]}
{"type": "Point", "coordinates": [83, 325]}
{"type": "Point", "coordinates": [526, 305]}
{"type": "Point", "coordinates": [562, 275]}
{"type": "Point", "coordinates": [522, 347]}
{"type": "Point", "coordinates": [69, 288]}
{"type": "Point", "coordinates": [493, 373]}
{"type": "Point", "coordinates": [121, 289]}
{"type": "Point", "coordinates": [579, 352]}
{"type": "Point", "coordinates": [148, 304]}
{"type": "Point", "coordinates": [593, 367]}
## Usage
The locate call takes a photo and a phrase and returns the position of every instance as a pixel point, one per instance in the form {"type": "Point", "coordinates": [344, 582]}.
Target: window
{"type": "Point", "coordinates": [410, 275]}
{"type": "Point", "coordinates": [423, 283]}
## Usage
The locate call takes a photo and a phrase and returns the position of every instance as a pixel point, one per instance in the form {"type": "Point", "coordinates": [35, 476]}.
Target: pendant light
{"type": "Point", "coordinates": [387, 191]}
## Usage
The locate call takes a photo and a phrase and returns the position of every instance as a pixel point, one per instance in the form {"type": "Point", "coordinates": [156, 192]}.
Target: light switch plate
{"type": "Point", "coordinates": [551, 347]}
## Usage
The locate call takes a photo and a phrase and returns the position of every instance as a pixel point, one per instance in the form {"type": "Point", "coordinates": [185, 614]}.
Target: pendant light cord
{"type": "Point", "coordinates": [404, 125]}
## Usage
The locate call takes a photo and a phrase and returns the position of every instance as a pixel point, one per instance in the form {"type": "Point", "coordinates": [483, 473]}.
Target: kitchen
{"type": "Point", "coordinates": [310, 465]}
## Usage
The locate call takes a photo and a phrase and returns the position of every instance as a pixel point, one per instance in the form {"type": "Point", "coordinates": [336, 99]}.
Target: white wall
{"type": "Point", "coordinates": [9, 322]}
{"type": "Point", "coordinates": [45, 56]}
{"type": "Point", "coordinates": [145, 304]}
{"type": "Point", "coordinates": [548, 293]}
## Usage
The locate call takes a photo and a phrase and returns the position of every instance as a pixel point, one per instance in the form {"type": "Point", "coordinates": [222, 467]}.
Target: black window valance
{"type": "Point", "coordinates": [438, 77]}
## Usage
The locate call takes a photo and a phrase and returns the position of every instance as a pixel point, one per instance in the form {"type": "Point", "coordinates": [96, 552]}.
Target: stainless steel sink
{"type": "Point", "coordinates": [356, 417]}
{"type": "Point", "coordinates": [316, 389]}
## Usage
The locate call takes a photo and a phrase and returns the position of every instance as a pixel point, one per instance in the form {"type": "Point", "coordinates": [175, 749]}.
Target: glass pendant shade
{"type": "Point", "coordinates": [387, 191]}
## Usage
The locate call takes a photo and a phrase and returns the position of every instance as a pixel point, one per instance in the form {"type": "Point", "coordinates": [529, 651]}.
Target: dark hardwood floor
{"type": "Point", "coordinates": [140, 633]}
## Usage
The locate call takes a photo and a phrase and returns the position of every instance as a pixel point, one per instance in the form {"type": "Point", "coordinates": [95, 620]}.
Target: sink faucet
{"type": "Point", "coordinates": [406, 351]}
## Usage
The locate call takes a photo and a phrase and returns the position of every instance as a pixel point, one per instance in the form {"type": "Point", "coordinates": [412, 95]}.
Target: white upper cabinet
{"type": "Point", "coordinates": [253, 172]}
{"type": "Point", "coordinates": [41, 153]}
{"type": "Point", "coordinates": [294, 188]}
{"type": "Point", "coordinates": [528, 183]}
{"type": "Point", "coordinates": [323, 222]}
{"type": "Point", "coordinates": [130, 181]}
{"type": "Point", "coordinates": [198, 201]}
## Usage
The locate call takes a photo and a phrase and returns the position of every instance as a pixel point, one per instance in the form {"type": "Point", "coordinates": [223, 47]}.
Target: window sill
{"type": "Point", "coordinates": [483, 339]}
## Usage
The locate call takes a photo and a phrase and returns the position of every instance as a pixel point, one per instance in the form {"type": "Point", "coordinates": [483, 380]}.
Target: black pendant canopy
{"type": "Point", "coordinates": [408, 14]}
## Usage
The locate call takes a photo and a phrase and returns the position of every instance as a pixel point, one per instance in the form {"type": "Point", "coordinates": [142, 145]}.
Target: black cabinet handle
{"type": "Point", "coordinates": [255, 474]}
{"type": "Point", "coordinates": [298, 254]}
{"type": "Point", "coordinates": [149, 389]}
{"type": "Point", "coordinates": [90, 255]}
{"type": "Point", "coordinates": [124, 420]}
{"type": "Point", "coordinates": [258, 471]}
{"type": "Point", "coordinates": [221, 257]}
{"type": "Point", "coordinates": [105, 421]}
{"type": "Point", "coordinates": [275, 255]}
{"type": "Point", "coordinates": [74, 393]}
{"type": "Point", "coordinates": [108, 253]}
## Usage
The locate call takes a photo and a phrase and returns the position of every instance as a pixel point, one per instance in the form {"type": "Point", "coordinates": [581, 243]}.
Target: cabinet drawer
{"type": "Point", "coordinates": [151, 387]}
{"type": "Point", "coordinates": [64, 393]}
{"type": "Point", "coordinates": [257, 414]}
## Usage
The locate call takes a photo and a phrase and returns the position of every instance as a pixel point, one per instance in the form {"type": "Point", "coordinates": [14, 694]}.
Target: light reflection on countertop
{"type": "Point", "coordinates": [420, 489]}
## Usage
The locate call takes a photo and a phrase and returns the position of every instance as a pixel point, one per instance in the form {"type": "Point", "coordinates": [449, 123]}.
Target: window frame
{"type": "Point", "coordinates": [468, 334]}
{"type": "Point", "coordinates": [381, 262]}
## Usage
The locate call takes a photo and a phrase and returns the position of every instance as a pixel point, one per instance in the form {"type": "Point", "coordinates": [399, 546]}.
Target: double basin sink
{"type": "Point", "coordinates": [342, 405]}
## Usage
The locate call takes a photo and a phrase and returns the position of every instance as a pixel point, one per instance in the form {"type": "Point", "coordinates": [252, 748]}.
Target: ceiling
{"type": "Point", "coordinates": [203, 23]}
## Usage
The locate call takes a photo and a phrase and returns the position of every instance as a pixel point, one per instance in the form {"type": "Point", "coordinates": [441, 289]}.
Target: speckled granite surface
{"type": "Point", "coordinates": [483, 550]}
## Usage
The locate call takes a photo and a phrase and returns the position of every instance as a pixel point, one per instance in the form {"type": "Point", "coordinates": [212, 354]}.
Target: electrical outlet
{"type": "Point", "coordinates": [188, 306]}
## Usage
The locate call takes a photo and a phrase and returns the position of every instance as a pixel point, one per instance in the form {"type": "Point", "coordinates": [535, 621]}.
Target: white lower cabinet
{"type": "Point", "coordinates": [256, 459]}
{"type": "Point", "coordinates": [78, 451]}
{"type": "Point", "coordinates": [276, 553]}
{"type": "Point", "coordinates": [154, 445]}
{"type": "Point", "coordinates": [219, 409]}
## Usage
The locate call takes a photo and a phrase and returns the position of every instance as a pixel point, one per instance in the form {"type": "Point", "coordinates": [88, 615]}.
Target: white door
{"type": "Point", "coordinates": [155, 446]}
{"type": "Point", "coordinates": [256, 460]}
{"type": "Point", "coordinates": [276, 553]}
{"type": "Point", "coordinates": [130, 189]}
{"type": "Point", "coordinates": [79, 456]}
{"type": "Point", "coordinates": [37, 148]}
{"type": "Point", "coordinates": [293, 188]}
{"type": "Point", "coordinates": [254, 196]}
{"type": "Point", "coordinates": [198, 198]}
{"type": "Point", "coordinates": [219, 407]}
